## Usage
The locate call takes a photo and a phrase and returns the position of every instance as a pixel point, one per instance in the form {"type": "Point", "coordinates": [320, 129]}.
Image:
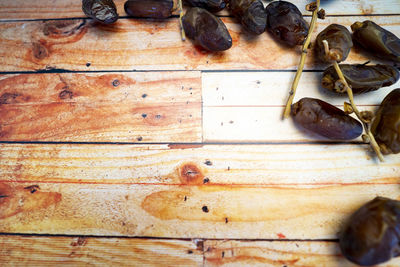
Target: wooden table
{"type": "Point", "coordinates": [123, 145]}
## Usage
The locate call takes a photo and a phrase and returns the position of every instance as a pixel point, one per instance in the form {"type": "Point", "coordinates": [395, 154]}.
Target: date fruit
{"type": "Point", "coordinates": [372, 234]}
{"type": "Point", "coordinates": [103, 11]}
{"type": "Point", "coordinates": [285, 22]}
{"type": "Point", "coordinates": [339, 40]}
{"type": "Point", "coordinates": [156, 9]}
{"type": "Point", "coordinates": [377, 40]}
{"type": "Point", "coordinates": [386, 124]}
{"type": "Point", "coordinates": [361, 78]}
{"type": "Point", "coordinates": [210, 5]}
{"type": "Point", "coordinates": [325, 119]}
{"type": "Point", "coordinates": [206, 30]}
{"type": "Point", "coordinates": [251, 14]}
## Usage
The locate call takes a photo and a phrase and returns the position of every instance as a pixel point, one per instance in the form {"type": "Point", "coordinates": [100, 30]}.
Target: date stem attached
{"type": "Point", "coordinates": [183, 35]}
{"type": "Point", "coordinates": [300, 67]}
{"type": "Point", "coordinates": [349, 91]}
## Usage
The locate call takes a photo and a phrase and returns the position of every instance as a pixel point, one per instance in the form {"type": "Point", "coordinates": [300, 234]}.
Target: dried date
{"type": "Point", "coordinates": [361, 78]}
{"type": "Point", "coordinates": [103, 11]}
{"type": "Point", "coordinates": [285, 22]}
{"type": "Point", "coordinates": [157, 9]}
{"type": "Point", "coordinates": [325, 119]}
{"type": "Point", "coordinates": [251, 14]}
{"type": "Point", "coordinates": [206, 30]}
{"type": "Point", "coordinates": [386, 125]}
{"type": "Point", "coordinates": [210, 5]}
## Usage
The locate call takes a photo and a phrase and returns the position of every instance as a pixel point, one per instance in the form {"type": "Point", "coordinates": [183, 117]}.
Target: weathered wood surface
{"type": "Point", "coordinates": [98, 107]}
{"type": "Point", "coordinates": [46, 9]}
{"type": "Point", "coordinates": [248, 106]}
{"type": "Point", "coordinates": [183, 211]}
{"type": "Point", "coordinates": [265, 165]}
{"type": "Point", "coordinates": [83, 251]}
{"type": "Point", "coordinates": [277, 253]}
{"type": "Point", "coordinates": [72, 44]}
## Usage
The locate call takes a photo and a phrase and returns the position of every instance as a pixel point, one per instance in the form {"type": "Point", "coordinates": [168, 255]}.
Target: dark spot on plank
{"type": "Point", "coordinates": [32, 188]}
{"type": "Point", "coordinates": [144, 115]}
{"type": "Point", "coordinates": [158, 116]}
{"type": "Point", "coordinates": [190, 251]}
{"type": "Point", "coordinates": [226, 220]}
{"type": "Point", "coordinates": [206, 180]}
{"type": "Point", "coordinates": [231, 122]}
{"type": "Point", "coordinates": [81, 241]}
{"type": "Point", "coordinates": [185, 198]}
{"type": "Point", "coordinates": [66, 94]}
{"type": "Point", "coordinates": [39, 51]}
{"type": "Point", "coordinates": [208, 162]}
{"type": "Point", "coordinates": [139, 138]}
{"type": "Point", "coordinates": [258, 82]}
{"type": "Point", "coordinates": [205, 209]}
{"type": "Point", "coordinates": [88, 64]}
{"type": "Point", "coordinates": [8, 98]}
{"type": "Point", "coordinates": [116, 83]}
{"type": "Point", "coordinates": [223, 254]}
{"type": "Point", "coordinates": [144, 95]}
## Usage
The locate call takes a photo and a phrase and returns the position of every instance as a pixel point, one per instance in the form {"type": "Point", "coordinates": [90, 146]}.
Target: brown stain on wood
{"type": "Point", "coordinates": [19, 199]}
{"type": "Point", "coordinates": [184, 146]}
{"type": "Point", "coordinates": [190, 174]}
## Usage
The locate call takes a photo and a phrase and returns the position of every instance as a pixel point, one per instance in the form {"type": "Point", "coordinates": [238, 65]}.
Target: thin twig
{"type": "Point", "coordinates": [300, 67]}
{"type": "Point", "coordinates": [349, 91]}
{"type": "Point", "coordinates": [183, 35]}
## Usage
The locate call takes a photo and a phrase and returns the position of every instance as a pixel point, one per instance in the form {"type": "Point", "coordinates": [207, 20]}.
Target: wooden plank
{"type": "Point", "coordinates": [183, 211]}
{"type": "Point", "coordinates": [277, 253]}
{"type": "Point", "coordinates": [45, 9]}
{"type": "Point", "coordinates": [83, 251]}
{"type": "Point", "coordinates": [248, 107]}
{"type": "Point", "coordinates": [72, 44]}
{"type": "Point", "coordinates": [117, 107]}
{"type": "Point", "coordinates": [278, 165]}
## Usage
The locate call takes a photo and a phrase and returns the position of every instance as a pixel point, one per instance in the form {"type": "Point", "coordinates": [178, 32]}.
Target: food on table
{"type": "Point", "coordinates": [206, 30]}
{"type": "Point", "coordinates": [376, 39]}
{"type": "Point", "coordinates": [340, 43]}
{"type": "Point", "coordinates": [285, 22]}
{"type": "Point", "coordinates": [386, 124]}
{"type": "Point", "coordinates": [157, 9]}
{"type": "Point", "coordinates": [361, 78]}
{"type": "Point", "coordinates": [325, 119]}
{"type": "Point", "coordinates": [210, 5]}
{"type": "Point", "coordinates": [372, 234]}
{"type": "Point", "coordinates": [250, 13]}
{"type": "Point", "coordinates": [103, 11]}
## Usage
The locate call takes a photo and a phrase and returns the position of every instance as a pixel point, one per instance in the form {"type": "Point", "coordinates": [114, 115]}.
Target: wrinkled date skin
{"type": "Point", "coordinates": [376, 39]}
{"type": "Point", "coordinates": [324, 119]}
{"type": "Point", "coordinates": [210, 5]}
{"type": "Point", "coordinates": [371, 235]}
{"type": "Point", "coordinates": [361, 78]}
{"type": "Point", "coordinates": [285, 22]}
{"type": "Point", "coordinates": [156, 9]}
{"type": "Point", "coordinates": [103, 11]}
{"type": "Point", "coordinates": [386, 125]}
{"type": "Point", "coordinates": [206, 30]}
{"type": "Point", "coordinates": [251, 14]}
{"type": "Point", "coordinates": [339, 40]}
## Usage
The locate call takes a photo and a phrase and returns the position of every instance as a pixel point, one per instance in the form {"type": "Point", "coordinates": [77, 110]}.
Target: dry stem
{"type": "Point", "coordinates": [349, 91]}
{"type": "Point", "coordinates": [300, 67]}
{"type": "Point", "coordinates": [183, 36]}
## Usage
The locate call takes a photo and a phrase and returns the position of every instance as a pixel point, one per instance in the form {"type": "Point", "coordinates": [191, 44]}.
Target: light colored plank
{"type": "Point", "coordinates": [71, 44]}
{"type": "Point", "coordinates": [266, 89]}
{"type": "Point", "coordinates": [279, 165]}
{"type": "Point", "coordinates": [184, 211]}
{"type": "Point", "coordinates": [83, 251]}
{"type": "Point", "coordinates": [129, 107]}
{"type": "Point", "coordinates": [45, 9]}
{"type": "Point", "coordinates": [277, 253]}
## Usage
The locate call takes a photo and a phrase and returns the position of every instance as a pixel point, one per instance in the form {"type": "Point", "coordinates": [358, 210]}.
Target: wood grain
{"type": "Point", "coordinates": [46, 9]}
{"type": "Point", "coordinates": [268, 165]}
{"type": "Point", "coordinates": [83, 251]}
{"type": "Point", "coordinates": [117, 107]}
{"type": "Point", "coordinates": [277, 253]}
{"type": "Point", "coordinates": [186, 211]}
{"type": "Point", "coordinates": [72, 44]}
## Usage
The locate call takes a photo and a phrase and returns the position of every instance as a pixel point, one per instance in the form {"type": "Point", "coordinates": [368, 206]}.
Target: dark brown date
{"type": "Point", "coordinates": [339, 40]}
{"type": "Point", "coordinates": [386, 124]}
{"type": "Point", "coordinates": [361, 78]}
{"type": "Point", "coordinates": [157, 9]}
{"type": "Point", "coordinates": [206, 30]}
{"type": "Point", "coordinates": [377, 40]}
{"type": "Point", "coordinates": [372, 234]}
{"type": "Point", "coordinates": [210, 5]}
{"type": "Point", "coordinates": [103, 11]}
{"type": "Point", "coordinates": [324, 119]}
{"type": "Point", "coordinates": [285, 22]}
{"type": "Point", "coordinates": [251, 14]}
